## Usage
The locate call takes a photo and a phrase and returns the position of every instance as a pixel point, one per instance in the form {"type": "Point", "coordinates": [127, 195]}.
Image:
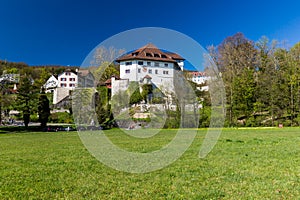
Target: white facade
{"type": "Point", "coordinates": [118, 85]}
{"type": "Point", "coordinates": [68, 80]}
{"type": "Point", "coordinates": [161, 73]}
{"type": "Point", "coordinates": [51, 84]}
{"type": "Point", "coordinates": [199, 78]}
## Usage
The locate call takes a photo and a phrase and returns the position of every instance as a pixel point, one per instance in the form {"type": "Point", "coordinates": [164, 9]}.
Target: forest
{"type": "Point", "coordinates": [261, 81]}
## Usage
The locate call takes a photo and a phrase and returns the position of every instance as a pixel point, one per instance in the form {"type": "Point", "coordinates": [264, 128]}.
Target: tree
{"type": "Point", "coordinates": [26, 98]}
{"type": "Point", "coordinates": [43, 76]}
{"type": "Point", "coordinates": [134, 93]}
{"type": "Point", "coordinates": [237, 62]}
{"type": "Point", "coordinates": [105, 55]}
{"type": "Point", "coordinates": [102, 106]}
{"type": "Point", "coordinates": [43, 109]}
{"type": "Point", "coordinates": [105, 71]}
{"type": "Point", "coordinates": [146, 92]}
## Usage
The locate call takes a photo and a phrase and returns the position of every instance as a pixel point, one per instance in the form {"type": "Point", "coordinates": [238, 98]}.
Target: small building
{"type": "Point", "coordinates": [51, 84]}
{"type": "Point", "coordinates": [64, 83]}
{"type": "Point", "coordinates": [200, 78]}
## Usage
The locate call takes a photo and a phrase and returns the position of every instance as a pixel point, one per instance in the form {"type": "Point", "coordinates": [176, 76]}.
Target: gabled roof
{"type": "Point", "coordinates": [150, 52]}
{"type": "Point", "coordinates": [84, 72]}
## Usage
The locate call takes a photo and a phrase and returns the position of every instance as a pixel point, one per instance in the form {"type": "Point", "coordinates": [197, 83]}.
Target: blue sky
{"type": "Point", "coordinates": [63, 32]}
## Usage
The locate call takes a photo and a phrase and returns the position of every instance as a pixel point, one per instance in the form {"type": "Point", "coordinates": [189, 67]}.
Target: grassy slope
{"type": "Point", "coordinates": [245, 164]}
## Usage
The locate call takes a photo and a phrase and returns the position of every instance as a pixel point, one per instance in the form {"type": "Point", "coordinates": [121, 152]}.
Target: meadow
{"type": "Point", "coordinates": [262, 163]}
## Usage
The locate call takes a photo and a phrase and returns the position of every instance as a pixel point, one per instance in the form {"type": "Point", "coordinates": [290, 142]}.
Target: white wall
{"type": "Point", "coordinates": [163, 78]}
{"type": "Point", "coordinates": [67, 76]}
{"type": "Point", "coordinates": [52, 82]}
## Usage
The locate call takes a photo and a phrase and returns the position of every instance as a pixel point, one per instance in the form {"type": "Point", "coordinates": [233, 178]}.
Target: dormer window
{"type": "Point", "coordinates": [135, 53]}
{"type": "Point", "coordinates": [156, 55]}
{"type": "Point", "coordinates": [149, 55]}
{"type": "Point", "coordinates": [163, 56]}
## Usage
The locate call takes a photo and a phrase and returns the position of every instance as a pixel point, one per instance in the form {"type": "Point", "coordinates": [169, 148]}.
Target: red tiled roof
{"type": "Point", "coordinates": [198, 73]}
{"type": "Point", "coordinates": [150, 52]}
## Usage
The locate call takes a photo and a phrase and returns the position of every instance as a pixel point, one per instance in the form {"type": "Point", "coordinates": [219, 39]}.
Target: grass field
{"type": "Point", "coordinates": [244, 164]}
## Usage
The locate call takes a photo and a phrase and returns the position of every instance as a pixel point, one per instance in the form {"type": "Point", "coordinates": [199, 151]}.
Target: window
{"type": "Point", "coordinates": [139, 70]}
{"type": "Point", "coordinates": [156, 55]}
{"type": "Point", "coordinates": [63, 79]}
{"type": "Point", "coordinates": [128, 63]}
{"type": "Point", "coordinates": [127, 71]}
{"type": "Point", "coordinates": [156, 71]}
{"type": "Point", "coordinates": [163, 56]}
{"type": "Point", "coordinates": [140, 62]}
{"type": "Point", "coordinates": [135, 53]}
{"type": "Point", "coordinates": [150, 71]}
{"type": "Point", "coordinates": [63, 85]}
{"type": "Point", "coordinates": [165, 72]}
{"type": "Point", "coordinates": [156, 64]}
{"type": "Point", "coordinates": [71, 79]}
{"type": "Point", "coordinates": [166, 65]}
{"type": "Point", "coordinates": [68, 73]}
{"type": "Point", "coordinates": [72, 85]}
{"type": "Point", "coordinates": [148, 54]}
{"type": "Point", "coordinates": [149, 63]}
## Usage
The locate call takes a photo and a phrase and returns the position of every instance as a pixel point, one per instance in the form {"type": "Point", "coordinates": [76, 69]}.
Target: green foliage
{"type": "Point", "coordinates": [134, 93]}
{"type": "Point", "coordinates": [26, 98]}
{"type": "Point", "coordinates": [204, 119]}
{"type": "Point", "coordinates": [173, 119]}
{"type": "Point", "coordinates": [146, 91]}
{"type": "Point", "coordinates": [43, 110]}
{"type": "Point", "coordinates": [102, 106]}
{"type": "Point", "coordinates": [61, 117]}
{"type": "Point", "coordinates": [12, 71]}
{"type": "Point", "coordinates": [105, 72]}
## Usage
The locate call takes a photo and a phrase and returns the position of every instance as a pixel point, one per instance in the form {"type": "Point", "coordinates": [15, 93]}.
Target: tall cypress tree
{"type": "Point", "coordinates": [43, 109]}
{"type": "Point", "coordinates": [26, 98]}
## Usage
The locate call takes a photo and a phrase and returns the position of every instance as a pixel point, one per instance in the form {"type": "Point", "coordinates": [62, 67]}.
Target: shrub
{"type": "Point", "coordinates": [61, 117]}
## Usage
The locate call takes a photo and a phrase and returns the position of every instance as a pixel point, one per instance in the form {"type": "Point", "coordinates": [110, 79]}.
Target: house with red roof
{"type": "Point", "coordinates": [62, 84]}
{"type": "Point", "coordinates": [150, 65]}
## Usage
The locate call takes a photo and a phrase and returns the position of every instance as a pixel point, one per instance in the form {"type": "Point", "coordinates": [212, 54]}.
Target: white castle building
{"type": "Point", "coordinates": [148, 65]}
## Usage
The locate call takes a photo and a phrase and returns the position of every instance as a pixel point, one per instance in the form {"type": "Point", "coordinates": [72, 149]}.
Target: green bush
{"type": "Point", "coordinates": [34, 118]}
{"type": "Point", "coordinates": [61, 117]}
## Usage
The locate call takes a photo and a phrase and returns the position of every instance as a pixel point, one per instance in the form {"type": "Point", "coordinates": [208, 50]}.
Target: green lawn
{"type": "Point", "coordinates": [245, 164]}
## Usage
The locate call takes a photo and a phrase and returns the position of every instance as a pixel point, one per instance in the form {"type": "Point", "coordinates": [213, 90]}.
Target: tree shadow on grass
{"type": "Point", "coordinates": [19, 129]}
